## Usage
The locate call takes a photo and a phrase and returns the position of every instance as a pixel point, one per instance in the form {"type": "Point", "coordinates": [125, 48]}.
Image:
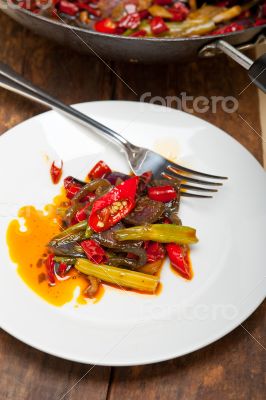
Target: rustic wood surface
{"type": "Point", "coordinates": [232, 368]}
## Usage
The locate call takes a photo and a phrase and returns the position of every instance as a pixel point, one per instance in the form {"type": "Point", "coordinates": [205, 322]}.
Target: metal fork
{"type": "Point", "coordinates": [140, 159]}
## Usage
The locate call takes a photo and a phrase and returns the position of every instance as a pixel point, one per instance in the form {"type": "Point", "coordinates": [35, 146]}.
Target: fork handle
{"type": "Point", "coordinates": [14, 82]}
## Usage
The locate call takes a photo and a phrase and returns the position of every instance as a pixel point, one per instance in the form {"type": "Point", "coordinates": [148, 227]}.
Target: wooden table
{"type": "Point", "coordinates": [232, 368]}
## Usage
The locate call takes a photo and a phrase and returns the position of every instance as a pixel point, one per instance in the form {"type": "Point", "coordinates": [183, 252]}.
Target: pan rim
{"type": "Point", "coordinates": [130, 38]}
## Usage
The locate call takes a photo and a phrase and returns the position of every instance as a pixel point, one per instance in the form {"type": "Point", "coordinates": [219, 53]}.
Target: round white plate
{"type": "Point", "coordinates": [128, 328]}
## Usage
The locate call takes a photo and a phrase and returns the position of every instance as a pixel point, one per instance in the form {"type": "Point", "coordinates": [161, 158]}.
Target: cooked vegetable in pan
{"type": "Point", "coordinates": [154, 18]}
{"type": "Point", "coordinates": [114, 229]}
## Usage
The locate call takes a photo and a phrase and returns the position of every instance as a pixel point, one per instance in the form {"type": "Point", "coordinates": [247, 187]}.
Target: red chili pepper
{"type": "Point", "coordinates": [144, 179]}
{"type": "Point", "coordinates": [178, 256]}
{"type": "Point", "coordinates": [81, 215]}
{"type": "Point", "coordinates": [68, 8]}
{"type": "Point", "coordinates": [264, 9]}
{"type": "Point", "coordinates": [132, 256]}
{"type": "Point", "coordinates": [28, 5]}
{"type": "Point", "coordinates": [50, 269]}
{"type": "Point", "coordinates": [62, 269]}
{"type": "Point", "coordinates": [144, 14]}
{"type": "Point", "coordinates": [109, 209]}
{"type": "Point", "coordinates": [260, 21]}
{"type": "Point", "coordinates": [146, 176]}
{"type": "Point", "coordinates": [179, 12]}
{"type": "Point", "coordinates": [71, 187]}
{"type": "Point", "coordinates": [162, 193]}
{"type": "Point", "coordinates": [56, 172]}
{"type": "Point", "coordinates": [163, 2]}
{"type": "Point", "coordinates": [129, 21]}
{"type": "Point", "coordinates": [158, 25]}
{"type": "Point", "coordinates": [91, 10]}
{"type": "Point", "coordinates": [22, 4]}
{"type": "Point", "coordinates": [100, 170]}
{"type": "Point", "coordinates": [140, 33]}
{"type": "Point", "coordinates": [54, 14]}
{"type": "Point", "coordinates": [222, 3]}
{"type": "Point", "coordinates": [228, 29]}
{"type": "Point", "coordinates": [105, 25]}
{"type": "Point", "coordinates": [155, 251]}
{"type": "Point", "coordinates": [94, 251]}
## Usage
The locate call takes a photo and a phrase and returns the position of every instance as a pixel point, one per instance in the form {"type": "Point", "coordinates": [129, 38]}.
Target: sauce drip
{"type": "Point", "coordinates": [27, 248]}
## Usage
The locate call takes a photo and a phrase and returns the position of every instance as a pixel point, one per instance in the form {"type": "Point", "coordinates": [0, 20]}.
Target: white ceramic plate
{"type": "Point", "coordinates": [128, 329]}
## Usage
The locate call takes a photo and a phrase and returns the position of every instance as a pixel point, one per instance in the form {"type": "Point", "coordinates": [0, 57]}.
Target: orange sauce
{"type": "Point", "coordinates": [27, 248]}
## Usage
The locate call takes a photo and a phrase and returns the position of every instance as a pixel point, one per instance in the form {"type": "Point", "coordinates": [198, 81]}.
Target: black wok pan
{"type": "Point", "coordinates": [145, 50]}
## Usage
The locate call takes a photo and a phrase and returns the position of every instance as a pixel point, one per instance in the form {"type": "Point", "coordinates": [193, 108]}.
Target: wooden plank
{"type": "Point", "coordinates": [232, 368]}
{"type": "Point", "coordinates": [25, 373]}
{"type": "Point", "coordinates": [28, 374]}
{"type": "Point", "coordinates": [67, 75]}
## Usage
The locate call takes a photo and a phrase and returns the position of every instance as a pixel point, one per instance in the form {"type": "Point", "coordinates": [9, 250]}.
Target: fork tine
{"type": "Point", "coordinates": [200, 196]}
{"type": "Point", "coordinates": [192, 187]}
{"type": "Point", "coordinates": [178, 167]}
{"type": "Point", "coordinates": [197, 188]}
{"type": "Point", "coordinates": [189, 179]}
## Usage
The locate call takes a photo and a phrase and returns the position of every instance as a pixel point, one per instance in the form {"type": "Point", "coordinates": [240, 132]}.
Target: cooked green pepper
{"type": "Point", "coordinates": [228, 14]}
{"type": "Point", "coordinates": [88, 232]}
{"type": "Point", "coordinates": [158, 11]}
{"type": "Point", "coordinates": [163, 233]}
{"type": "Point", "coordinates": [118, 276]}
{"type": "Point", "coordinates": [81, 226]}
{"type": "Point", "coordinates": [189, 28]}
{"type": "Point", "coordinates": [66, 260]}
{"type": "Point", "coordinates": [66, 240]}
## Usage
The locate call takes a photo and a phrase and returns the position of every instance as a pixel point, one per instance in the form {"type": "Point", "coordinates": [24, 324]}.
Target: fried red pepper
{"type": "Point", "coordinates": [50, 269]}
{"type": "Point", "coordinates": [56, 172]}
{"type": "Point", "coordinates": [178, 256]}
{"type": "Point", "coordinates": [94, 251]}
{"type": "Point", "coordinates": [155, 251]}
{"type": "Point", "coordinates": [162, 193]}
{"type": "Point", "coordinates": [105, 25]}
{"type": "Point", "coordinates": [158, 26]}
{"type": "Point", "coordinates": [109, 209]}
{"type": "Point", "coordinates": [100, 170]}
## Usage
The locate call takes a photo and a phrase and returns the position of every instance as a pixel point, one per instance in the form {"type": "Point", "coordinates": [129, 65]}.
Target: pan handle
{"type": "Point", "coordinates": [256, 69]}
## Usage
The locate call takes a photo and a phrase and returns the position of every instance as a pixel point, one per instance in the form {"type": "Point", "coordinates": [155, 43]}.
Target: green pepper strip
{"type": "Point", "coordinates": [118, 276]}
{"type": "Point", "coordinates": [88, 232]}
{"type": "Point", "coordinates": [66, 260]}
{"type": "Point", "coordinates": [72, 229]}
{"type": "Point", "coordinates": [68, 239]}
{"type": "Point", "coordinates": [163, 233]}
{"type": "Point", "coordinates": [189, 27]}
